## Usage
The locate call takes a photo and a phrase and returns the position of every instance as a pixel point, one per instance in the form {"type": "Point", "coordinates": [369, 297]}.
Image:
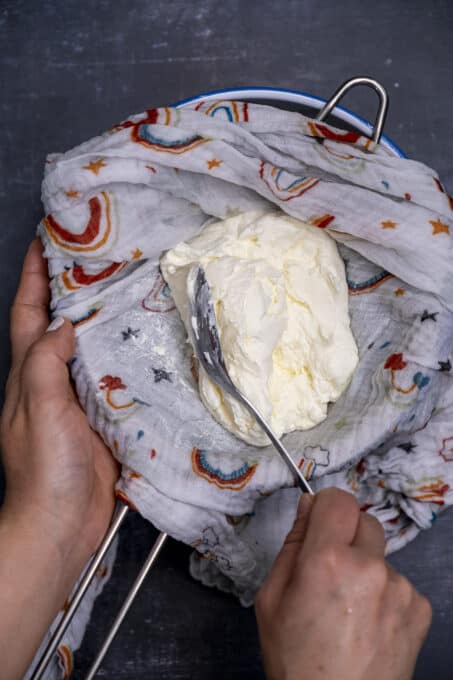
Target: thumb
{"type": "Point", "coordinates": [45, 371]}
{"type": "Point", "coordinates": [286, 559]}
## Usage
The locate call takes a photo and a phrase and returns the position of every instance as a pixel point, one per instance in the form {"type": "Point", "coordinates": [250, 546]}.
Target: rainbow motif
{"type": "Point", "coordinates": [143, 134]}
{"type": "Point", "coordinates": [235, 479]}
{"type": "Point", "coordinates": [323, 135]}
{"type": "Point", "coordinates": [320, 131]}
{"type": "Point", "coordinates": [366, 285]}
{"type": "Point", "coordinates": [124, 498]}
{"type": "Point", "coordinates": [76, 277]}
{"type": "Point", "coordinates": [92, 312]}
{"type": "Point", "coordinates": [234, 112]}
{"type": "Point", "coordinates": [66, 660]}
{"type": "Point", "coordinates": [162, 116]}
{"type": "Point", "coordinates": [433, 491]}
{"type": "Point", "coordinates": [96, 233]}
{"type": "Point", "coordinates": [283, 184]}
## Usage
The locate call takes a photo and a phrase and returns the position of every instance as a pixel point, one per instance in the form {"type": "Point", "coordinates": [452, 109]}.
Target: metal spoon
{"type": "Point", "coordinates": [206, 342]}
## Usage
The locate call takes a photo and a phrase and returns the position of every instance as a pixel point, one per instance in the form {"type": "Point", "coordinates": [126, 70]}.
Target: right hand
{"type": "Point", "coordinates": [332, 608]}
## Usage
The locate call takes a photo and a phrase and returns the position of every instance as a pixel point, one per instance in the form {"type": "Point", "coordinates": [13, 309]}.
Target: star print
{"type": "Point", "coordinates": [160, 374]}
{"type": "Point", "coordinates": [214, 163]}
{"type": "Point", "coordinates": [136, 254]}
{"type": "Point", "coordinates": [130, 333]}
{"type": "Point", "coordinates": [388, 224]}
{"type": "Point", "coordinates": [399, 291]}
{"type": "Point", "coordinates": [407, 446]}
{"type": "Point", "coordinates": [444, 365]}
{"type": "Point", "coordinates": [72, 193]}
{"type": "Point", "coordinates": [439, 227]}
{"type": "Point", "coordinates": [95, 166]}
{"type": "Point", "coordinates": [431, 317]}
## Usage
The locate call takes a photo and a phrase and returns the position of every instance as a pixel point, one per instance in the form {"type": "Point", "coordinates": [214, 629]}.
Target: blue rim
{"type": "Point", "coordinates": [313, 97]}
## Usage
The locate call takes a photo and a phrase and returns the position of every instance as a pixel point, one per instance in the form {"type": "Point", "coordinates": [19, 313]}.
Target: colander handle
{"type": "Point", "coordinates": [348, 85]}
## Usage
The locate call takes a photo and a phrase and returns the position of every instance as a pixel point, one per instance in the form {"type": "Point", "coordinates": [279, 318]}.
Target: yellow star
{"type": "Point", "coordinates": [214, 163]}
{"type": "Point", "coordinates": [399, 291]}
{"type": "Point", "coordinates": [136, 254]}
{"type": "Point", "coordinates": [388, 224]}
{"type": "Point", "coordinates": [95, 166]}
{"type": "Point", "coordinates": [439, 227]}
{"type": "Point", "coordinates": [72, 193]}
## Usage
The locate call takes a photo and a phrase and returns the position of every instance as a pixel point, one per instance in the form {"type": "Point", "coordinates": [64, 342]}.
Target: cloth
{"type": "Point", "coordinates": [114, 203]}
{"type": "Point", "coordinates": [62, 664]}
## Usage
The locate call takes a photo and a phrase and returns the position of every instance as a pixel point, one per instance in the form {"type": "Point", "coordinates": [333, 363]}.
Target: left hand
{"type": "Point", "coordinates": [60, 476]}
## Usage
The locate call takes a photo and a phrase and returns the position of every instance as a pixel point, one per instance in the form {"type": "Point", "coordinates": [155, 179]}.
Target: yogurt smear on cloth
{"type": "Point", "coordinates": [280, 296]}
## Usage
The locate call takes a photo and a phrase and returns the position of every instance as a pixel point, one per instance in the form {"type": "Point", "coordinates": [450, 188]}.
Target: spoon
{"type": "Point", "coordinates": [206, 343]}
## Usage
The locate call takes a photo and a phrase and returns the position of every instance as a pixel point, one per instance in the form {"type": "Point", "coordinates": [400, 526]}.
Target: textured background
{"type": "Point", "coordinates": [71, 69]}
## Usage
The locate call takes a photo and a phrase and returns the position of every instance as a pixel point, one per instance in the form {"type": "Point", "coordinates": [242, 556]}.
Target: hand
{"type": "Point", "coordinates": [60, 476]}
{"type": "Point", "coordinates": [332, 608]}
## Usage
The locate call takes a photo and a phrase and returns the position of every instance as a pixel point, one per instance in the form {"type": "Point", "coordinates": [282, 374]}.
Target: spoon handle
{"type": "Point", "coordinates": [297, 474]}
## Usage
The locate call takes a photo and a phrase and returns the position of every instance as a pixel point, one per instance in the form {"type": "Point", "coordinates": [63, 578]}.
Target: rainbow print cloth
{"type": "Point", "coordinates": [114, 203]}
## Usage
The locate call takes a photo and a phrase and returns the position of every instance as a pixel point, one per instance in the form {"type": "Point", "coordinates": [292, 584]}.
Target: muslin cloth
{"type": "Point", "coordinates": [115, 203]}
{"type": "Point", "coordinates": [62, 664]}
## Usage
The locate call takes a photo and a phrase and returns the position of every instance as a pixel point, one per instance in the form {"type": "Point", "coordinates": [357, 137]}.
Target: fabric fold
{"type": "Point", "coordinates": [115, 203]}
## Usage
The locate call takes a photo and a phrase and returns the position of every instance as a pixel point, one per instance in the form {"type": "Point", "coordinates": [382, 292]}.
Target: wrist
{"type": "Point", "coordinates": [33, 536]}
{"type": "Point", "coordinates": [35, 583]}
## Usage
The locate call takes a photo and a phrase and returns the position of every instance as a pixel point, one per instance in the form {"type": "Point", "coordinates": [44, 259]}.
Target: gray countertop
{"type": "Point", "coordinates": [69, 71]}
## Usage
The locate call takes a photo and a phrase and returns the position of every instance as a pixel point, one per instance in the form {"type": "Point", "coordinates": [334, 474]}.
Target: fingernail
{"type": "Point", "coordinates": [305, 504]}
{"type": "Point", "coordinates": [55, 324]}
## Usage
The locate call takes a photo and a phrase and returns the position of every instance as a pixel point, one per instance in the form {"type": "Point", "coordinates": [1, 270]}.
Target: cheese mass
{"type": "Point", "coordinates": [280, 297]}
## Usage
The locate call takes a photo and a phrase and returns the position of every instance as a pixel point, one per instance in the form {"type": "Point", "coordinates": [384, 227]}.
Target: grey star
{"type": "Point", "coordinates": [444, 365]}
{"type": "Point", "coordinates": [407, 446]}
{"type": "Point", "coordinates": [160, 374]}
{"type": "Point", "coordinates": [130, 333]}
{"type": "Point", "coordinates": [426, 316]}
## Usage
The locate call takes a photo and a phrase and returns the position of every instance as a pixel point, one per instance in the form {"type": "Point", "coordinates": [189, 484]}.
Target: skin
{"type": "Point", "coordinates": [331, 608]}
{"type": "Point", "coordinates": [60, 476]}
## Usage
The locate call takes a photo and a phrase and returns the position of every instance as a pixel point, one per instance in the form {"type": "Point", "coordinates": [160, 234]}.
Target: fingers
{"type": "Point", "coordinates": [333, 521]}
{"type": "Point", "coordinates": [286, 559]}
{"type": "Point", "coordinates": [370, 536]}
{"type": "Point", "coordinates": [299, 528]}
{"type": "Point", "coordinates": [44, 372]}
{"type": "Point", "coordinates": [29, 317]}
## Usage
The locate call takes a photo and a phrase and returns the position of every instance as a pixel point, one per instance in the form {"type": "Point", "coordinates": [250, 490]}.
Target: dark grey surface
{"type": "Point", "coordinates": [69, 70]}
